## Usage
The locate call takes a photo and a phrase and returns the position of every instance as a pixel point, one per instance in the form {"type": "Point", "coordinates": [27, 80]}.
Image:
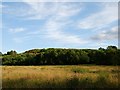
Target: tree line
{"type": "Point", "coordinates": [56, 56]}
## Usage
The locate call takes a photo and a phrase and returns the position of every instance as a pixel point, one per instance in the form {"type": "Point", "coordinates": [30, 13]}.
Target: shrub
{"type": "Point", "coordinates": [79, 70]}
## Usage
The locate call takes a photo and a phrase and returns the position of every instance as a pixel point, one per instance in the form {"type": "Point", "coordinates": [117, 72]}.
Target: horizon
{"type": "Point", "coordinates": [30, 25]}
{"type": "Point", "coordinates": [56, 48]}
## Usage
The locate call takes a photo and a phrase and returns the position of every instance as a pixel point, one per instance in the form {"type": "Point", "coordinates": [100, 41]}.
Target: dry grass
{"type": "Point", "coordinates": [60, 76]}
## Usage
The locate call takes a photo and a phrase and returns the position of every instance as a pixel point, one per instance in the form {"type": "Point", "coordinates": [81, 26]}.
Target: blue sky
{"type": "Point", "coordinates": [28, 25]}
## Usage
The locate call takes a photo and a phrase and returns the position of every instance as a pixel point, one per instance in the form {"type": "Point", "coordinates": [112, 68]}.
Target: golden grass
{"type": "Point", "coordinates": [59, 76]}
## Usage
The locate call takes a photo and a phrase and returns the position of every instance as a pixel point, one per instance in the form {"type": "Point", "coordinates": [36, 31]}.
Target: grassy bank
{"type": "Point", "coordinates": [60, 76]}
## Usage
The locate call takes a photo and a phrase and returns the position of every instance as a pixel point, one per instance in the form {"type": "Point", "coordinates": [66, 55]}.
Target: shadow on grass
{"type": "Point", "coordinates": [73, 83]}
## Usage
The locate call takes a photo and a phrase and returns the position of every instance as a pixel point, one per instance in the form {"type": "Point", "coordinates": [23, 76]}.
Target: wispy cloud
{"type": "Point", "coordinates": [59, 18]}
{"type": "Point", "coordinates": [17, 30]}
{"type": "Point", "coordinates": [55, 31]}
{"type": "Point", "coordinates": [107, 15]}
{"type": "Point", "coordinates": [111, 34]}
{"type": "Point", "coordinates": [1, 5]}
{"type": "Point", "coordinates": [62, 24]}
{"type": "Point", "coordinates": [41, 10]}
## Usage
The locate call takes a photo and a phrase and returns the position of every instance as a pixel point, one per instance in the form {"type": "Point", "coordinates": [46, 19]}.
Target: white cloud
{"type": "Point", "coordinates": [99, 44]}
{"type": "Point", "coordinates": [111, 34]}
{"type": "Point", "coordinates": [59, 17]}
{"type": "Point", "coordinates": [41, 10]}
{"type": "Point", "coordinates": [17, 30]}
{"type": "Point", "coordinates": [108, 14]}
{"type": "Point", "coordinates": [1, 6]}
{"type": "Point", "coordinates": [1, 26]}
{"type": "Point", "coordinates": [54, 31]}
{"type": "Point", "coordinates": [71, 0]}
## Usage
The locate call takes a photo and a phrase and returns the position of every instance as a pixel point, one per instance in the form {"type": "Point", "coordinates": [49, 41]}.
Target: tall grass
{"type": "Point", "coordinates": [60, 77]}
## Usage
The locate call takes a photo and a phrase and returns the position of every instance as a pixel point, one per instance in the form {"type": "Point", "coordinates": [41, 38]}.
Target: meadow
{"type": "Point", "coordinates": [58, 76]}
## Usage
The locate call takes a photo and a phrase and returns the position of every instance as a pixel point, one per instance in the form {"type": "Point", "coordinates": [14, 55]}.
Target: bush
{"type": "Point", "coordinates": [79, 70]}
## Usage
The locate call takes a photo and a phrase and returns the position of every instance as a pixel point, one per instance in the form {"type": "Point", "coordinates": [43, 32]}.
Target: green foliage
{"type": "Point", "coordinates": [11, 52]}
{"type": "Point", "coordinates": [0, 53]}
{"type": "Point", "coordinates": [79, 70]}
{"type": "Point", "coordinates": [112, 48]}
{"type": "Point", "coordinates": [52, 56]}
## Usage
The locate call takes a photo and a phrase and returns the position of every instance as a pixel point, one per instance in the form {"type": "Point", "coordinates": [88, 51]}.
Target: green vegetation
{"type": "Point", "coordinates": [79, 70]}
{"type": "Point", "coordinates": [68, 70]}
{"type": "Point", "coordinates": [52, 56]}
{"type": "Point", "coordinates": [70, 76]}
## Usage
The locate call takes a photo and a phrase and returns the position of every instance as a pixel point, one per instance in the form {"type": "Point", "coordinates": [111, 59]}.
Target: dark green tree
{"type": "Point", "coordinates": [11, 52]}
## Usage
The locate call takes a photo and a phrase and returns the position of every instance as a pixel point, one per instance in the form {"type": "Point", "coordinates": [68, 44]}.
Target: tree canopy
{"type": "Point", "coordinates": [57, 56]}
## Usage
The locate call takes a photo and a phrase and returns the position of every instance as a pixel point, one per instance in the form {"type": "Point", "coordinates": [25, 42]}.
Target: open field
{"type": "Point", "coordinates": [60, 76]}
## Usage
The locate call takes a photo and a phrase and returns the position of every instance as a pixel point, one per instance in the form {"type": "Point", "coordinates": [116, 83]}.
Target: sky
{"type": "Point", "coordinates": [30, 25]}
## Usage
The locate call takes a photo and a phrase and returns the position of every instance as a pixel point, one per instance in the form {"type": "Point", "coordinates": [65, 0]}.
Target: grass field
{"type": "Point", "coordinates": [82, 76]}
